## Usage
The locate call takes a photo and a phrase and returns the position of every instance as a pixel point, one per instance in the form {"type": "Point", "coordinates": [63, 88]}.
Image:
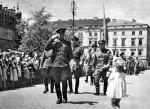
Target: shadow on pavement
{"type": "Point", "coordinates": [86, 93]}
{"type": "Point", "coordinates": [129, 83]}
{"type": "Point", "coordinates": [82, 102]}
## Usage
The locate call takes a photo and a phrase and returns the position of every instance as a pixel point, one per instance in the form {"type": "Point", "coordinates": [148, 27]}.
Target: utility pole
{"type": "Point", "coordinates": [105, 37]}
{"type": "Point", "coordinates": [73, 9]}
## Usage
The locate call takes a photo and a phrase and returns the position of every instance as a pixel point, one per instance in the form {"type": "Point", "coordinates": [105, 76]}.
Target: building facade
{"type": "Point", "coordinates": [129, 37]}
{"type": "Point", "coordinates": [8, 35]}
{"type": "Point", "coordinates": [88, 30]}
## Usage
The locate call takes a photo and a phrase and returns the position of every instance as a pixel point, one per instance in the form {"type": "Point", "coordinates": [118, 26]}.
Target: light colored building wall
{"type": "Point", "coordinates": [128, 36]}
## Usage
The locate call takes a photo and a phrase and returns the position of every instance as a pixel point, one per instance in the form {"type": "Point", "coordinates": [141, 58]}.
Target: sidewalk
{"type": "Point", "coordinates": [138, 91]}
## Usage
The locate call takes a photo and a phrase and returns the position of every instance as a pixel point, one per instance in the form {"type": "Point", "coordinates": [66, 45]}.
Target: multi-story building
{"type": "Point", "coordinates": [88, 30]}
{"type": "Point", "coordinates": [8, 35]}
{"type": "Point", "coordinates": [129, 37]}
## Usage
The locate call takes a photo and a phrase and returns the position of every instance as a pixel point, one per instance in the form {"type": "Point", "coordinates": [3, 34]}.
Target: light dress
{"type": "Point", "coordinates": [116, 84]}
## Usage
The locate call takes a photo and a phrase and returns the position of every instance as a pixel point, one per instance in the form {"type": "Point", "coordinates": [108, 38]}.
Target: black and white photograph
{"type": "Point", "coordinates": [74, 54]}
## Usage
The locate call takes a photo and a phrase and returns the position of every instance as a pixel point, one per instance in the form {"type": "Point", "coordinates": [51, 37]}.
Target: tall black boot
{"type": "Point", "coordinates": [59, 101]}
{"type": "Point", "coordinates": [46, 85]}
{"type": "Point", "coordinates": [52, 86]}
{"type": "Point", "coordinates": [59, 96]}
{"type": "Point", "coordinates": [97, 90]}
{"type": "Point", "coordinates": [105, 87]}
{"type": "Point", "coordinates": [76, 85]}
{"type": "Point", "coordinates": [70, 85]}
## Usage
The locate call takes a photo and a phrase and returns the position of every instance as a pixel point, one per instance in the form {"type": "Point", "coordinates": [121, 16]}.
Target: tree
{"type": "Point", "coordinates": [35, 35]}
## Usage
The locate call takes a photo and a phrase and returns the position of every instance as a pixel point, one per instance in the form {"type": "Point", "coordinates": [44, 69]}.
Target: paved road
{"type": "Point", "coordinates": [138, 91]}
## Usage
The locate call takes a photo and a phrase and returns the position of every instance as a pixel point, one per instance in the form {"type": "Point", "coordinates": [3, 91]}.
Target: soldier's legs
{"type": "Point", "coordinates": [64, 77]}
{"type": "Point", "coordinates": [91, 77]}
{"type": "Point", "coordinates": [58, 91]}
{"type": "Point", "coordinates": [97, 78]}
{"type": "Point", "coordinates": [105, 79]}
{"type": "Point", "coordinates": [52, 85]}
{"type": "Point", "coordinates": [76, 85]}
{"type": "Point", "coordinates": [56, 72]}
{"type": "Point", "coordinates": [70, 85]}
{"type": "Point", "coordinates": [45, 79]}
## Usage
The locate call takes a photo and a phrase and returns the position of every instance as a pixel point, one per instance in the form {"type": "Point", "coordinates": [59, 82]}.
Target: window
{"type": "Point", "coordinates": [90, 34]}
{"type": "Point", "coordinates": [90, 42]}
{"type": "Point", "coordinates": [140, 52]}
{"type": "Point", "coordinates": [123, 33]}
{"type": "Point", "coordinates": [140, 32]}
{"type": "Point", "coordinates": [115, 42]}
{"type": "Point", "coordinates": [115, 33]}
{"type": "Point", "coordinates": [123, 51]}
{"type": "Point", "coordinates": [133, 42]}
{"type": "Point", "coordinates": [132, 53]}
{"type": "Point", "coordinates": [95, 34]}
{"type": "Point", "coordinates": [140, 41]}
{"type": "Point", "coordinates": [123, 41]}
{"type": "Point", "coordinates": [96, 42]}
{"type": "Point", "coordinates": [133, 32]}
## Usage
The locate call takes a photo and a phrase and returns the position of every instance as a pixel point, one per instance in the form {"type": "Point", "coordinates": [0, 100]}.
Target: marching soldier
{"type": "Point", "coordinates": [45, 67]}
{"type": "Point", "coordinates": [101, 65]}
{"type": "Point", "coordinates": [75, 63]}
{"type": "Point", "coordinates": [62, 54]}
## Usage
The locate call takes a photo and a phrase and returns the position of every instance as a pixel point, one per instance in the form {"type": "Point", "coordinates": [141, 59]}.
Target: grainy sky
{"type": "Point", "coordinates": [61, 9]}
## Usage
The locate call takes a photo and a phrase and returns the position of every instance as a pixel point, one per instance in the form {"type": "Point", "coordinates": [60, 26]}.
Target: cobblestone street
{"type": "Point", "coordinates": [33, 98]}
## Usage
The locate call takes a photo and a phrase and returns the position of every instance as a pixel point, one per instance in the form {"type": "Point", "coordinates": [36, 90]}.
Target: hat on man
{"type": "Point", "coordinates": [94, 45]}
{"type": "Point", "coordinates": [75, 38]}
{"type": "Point", "coordinates": [59, 30]}
{"type": "Point", "coordinates": [101, 42]}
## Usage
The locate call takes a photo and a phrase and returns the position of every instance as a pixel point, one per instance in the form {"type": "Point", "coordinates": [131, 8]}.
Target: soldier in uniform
{"type": "Point", "coordinates": [75, 63]}
{"type": "Point", "coordinates": [101, 64]}
{"type": "Point", "coordinates": [62, 54]}
{"type": "Point", "coordinates": [45, 67]}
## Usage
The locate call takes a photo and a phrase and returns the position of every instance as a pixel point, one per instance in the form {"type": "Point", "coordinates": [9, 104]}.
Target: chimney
{"type": "Point", "coordinates": [95, 18]}
{"type": "Point", "coordinates": [133, 20]}
{"type": "Point", "coordinates": [114, 20]}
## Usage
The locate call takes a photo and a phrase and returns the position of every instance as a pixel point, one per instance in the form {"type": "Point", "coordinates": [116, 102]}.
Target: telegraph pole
{"type": "Point", "coordinates": [104, 26]}
{"type": "Point", "coordinates": [73, 7]}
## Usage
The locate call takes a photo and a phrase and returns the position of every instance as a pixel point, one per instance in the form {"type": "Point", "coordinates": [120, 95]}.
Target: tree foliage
{"type": "Point", "coordinates": [36, 34]}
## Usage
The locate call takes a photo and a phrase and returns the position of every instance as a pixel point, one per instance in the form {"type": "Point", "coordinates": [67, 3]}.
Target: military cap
{"type": "Point", "coordinates": [75, 38]}
{"type": "Point", "coordinates": [101, 42]}
{"type": "Point", "coordinates": [94, 45]}
{"type": "Point", "coordinates": [61, 30]}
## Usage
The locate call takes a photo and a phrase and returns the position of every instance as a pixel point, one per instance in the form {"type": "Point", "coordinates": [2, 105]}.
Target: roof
{"type": "Point", "coordinates": [81, 22]}
{"type": "Point", "coordinates": [120, 22]}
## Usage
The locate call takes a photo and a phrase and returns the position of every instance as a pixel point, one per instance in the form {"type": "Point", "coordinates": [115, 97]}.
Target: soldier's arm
{"type": "Point", "coordinates": [108, 61]}
{"type": "Point", "coordinates": [70, 52]}
{"type": "Point", "coordinates": [49, 44]}
{"type": "Point", "coordinates": [94, 61]}
{"type": "Point", "coordinates": [42, 59]}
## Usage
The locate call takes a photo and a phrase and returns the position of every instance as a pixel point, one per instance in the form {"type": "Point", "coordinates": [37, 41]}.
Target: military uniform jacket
{"type": "Point", "coordinates": [102, 58]}
{"type": "Point", "coordinates": [46, 59]}
{"type": "Point", "coordinates": [62, 52]}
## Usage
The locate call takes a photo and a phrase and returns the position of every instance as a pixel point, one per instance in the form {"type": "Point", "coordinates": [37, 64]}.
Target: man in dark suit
{"type": "Point", "coordinates": [62, 54]}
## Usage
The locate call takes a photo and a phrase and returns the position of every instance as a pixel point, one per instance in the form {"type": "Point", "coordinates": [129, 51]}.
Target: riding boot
{"type": "Point", "coordinates": [97, 90]}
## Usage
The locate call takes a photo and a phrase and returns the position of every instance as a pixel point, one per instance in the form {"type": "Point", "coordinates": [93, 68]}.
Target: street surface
{"type": "Point", "coordinates": [138, 90]}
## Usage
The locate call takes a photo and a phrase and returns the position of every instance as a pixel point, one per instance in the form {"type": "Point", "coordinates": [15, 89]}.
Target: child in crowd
{"type": "Point", "coordinates": [117, 83]}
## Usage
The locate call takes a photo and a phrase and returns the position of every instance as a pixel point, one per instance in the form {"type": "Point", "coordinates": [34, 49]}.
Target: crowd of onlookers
{"type": "Point", "coordinates": [18, 69]}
